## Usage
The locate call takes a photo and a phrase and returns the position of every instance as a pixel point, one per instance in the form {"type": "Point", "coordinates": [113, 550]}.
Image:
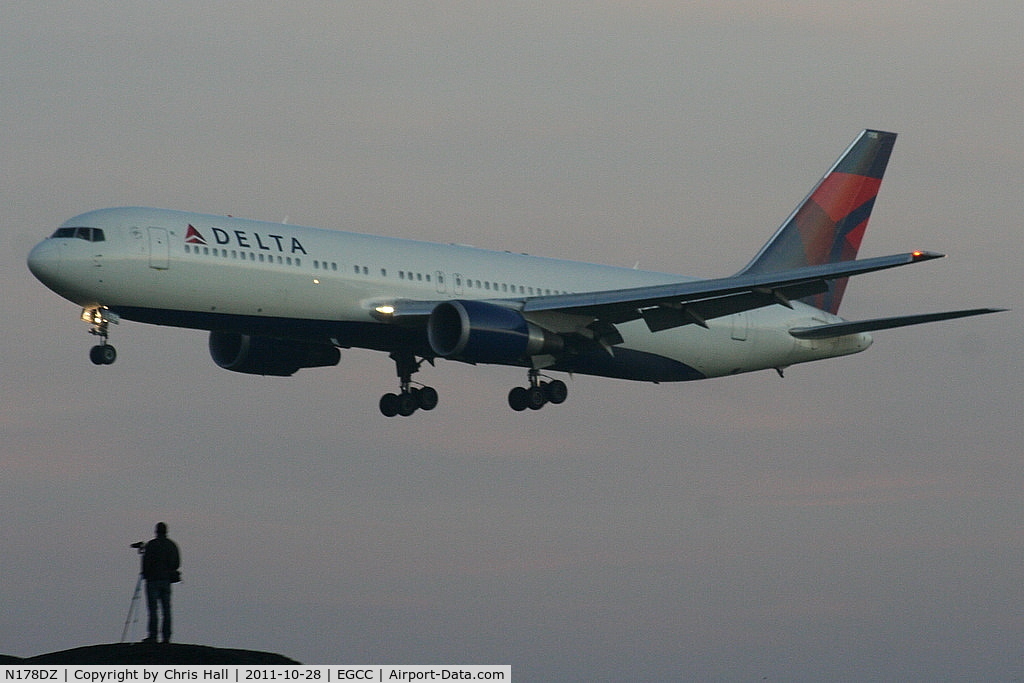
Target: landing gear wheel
{"type": "Point", "coordinates": [389, 405]}
{"type": "Point", "coordinates": [556, 391]}
{"type": "Point", "coordinates": [103, 354]}
{"type": "Point", "coordinates": [517, 399]}
{"type": "Point", "coordinates": [428, 398]}
{"type": "Point", "coordinates": [407, 404]}
{"type": "Point", "coordinates": [535, 398]}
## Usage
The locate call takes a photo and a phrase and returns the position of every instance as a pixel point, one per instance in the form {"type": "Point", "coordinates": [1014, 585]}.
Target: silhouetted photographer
{"type": "Point", "coordinates": [160, 564]}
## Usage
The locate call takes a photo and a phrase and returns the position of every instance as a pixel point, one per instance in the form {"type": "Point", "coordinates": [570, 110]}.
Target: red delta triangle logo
{"type": "Point", "coordinates": [193, 236]}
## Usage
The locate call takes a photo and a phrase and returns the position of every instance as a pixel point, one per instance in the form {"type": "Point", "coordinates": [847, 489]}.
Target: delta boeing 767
{"type": "Point", "coordinates": [276, 298]}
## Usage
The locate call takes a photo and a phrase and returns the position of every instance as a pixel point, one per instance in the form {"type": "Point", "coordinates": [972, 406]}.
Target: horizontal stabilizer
{"type": "Point", "coordinates": [856, 327]}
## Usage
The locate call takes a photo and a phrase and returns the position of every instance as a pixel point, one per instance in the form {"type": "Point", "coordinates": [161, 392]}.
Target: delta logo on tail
{"type": "Point", "coordinates": [829, 225]}
{"type": "Point", "coordinates": [193, 236]}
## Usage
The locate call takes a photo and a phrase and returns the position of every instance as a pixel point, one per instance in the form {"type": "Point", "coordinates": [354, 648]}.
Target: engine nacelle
{"type": "Point", "coordinates": [480, 332]}
{"type": "Point", "coordinates": [268, 356]}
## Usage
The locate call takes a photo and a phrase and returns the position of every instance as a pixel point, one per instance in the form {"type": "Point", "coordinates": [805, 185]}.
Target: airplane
{"type": "Point", "coordinates": [276, 298]}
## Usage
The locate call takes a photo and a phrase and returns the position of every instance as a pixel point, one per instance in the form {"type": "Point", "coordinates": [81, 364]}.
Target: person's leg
{"type": "Point", "coordinates": [165, 605]}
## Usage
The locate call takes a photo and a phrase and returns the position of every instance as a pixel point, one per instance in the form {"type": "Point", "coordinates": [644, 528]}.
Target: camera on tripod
{"type": "Point", "coordinates": [140, 546]}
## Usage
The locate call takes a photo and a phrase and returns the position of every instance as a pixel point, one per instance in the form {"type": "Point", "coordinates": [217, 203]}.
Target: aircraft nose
{"type": "Point", "coordinates": [41, 259]}
{"type": "Point", "coordinates": [46, 264]}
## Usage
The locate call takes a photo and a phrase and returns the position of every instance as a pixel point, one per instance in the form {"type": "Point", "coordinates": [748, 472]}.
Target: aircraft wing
{"type": "Point", "coordinates": [672, 305]}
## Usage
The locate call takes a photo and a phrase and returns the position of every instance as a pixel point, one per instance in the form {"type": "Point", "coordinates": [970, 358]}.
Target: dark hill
{"type": "Point", "coordinates": [139, 653]}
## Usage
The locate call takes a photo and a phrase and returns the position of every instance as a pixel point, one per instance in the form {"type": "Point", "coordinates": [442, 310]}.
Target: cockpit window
{"type": "Point", "coordinates": [87, 234]}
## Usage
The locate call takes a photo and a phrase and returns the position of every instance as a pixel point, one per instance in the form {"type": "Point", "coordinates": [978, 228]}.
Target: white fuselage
{"type": "Point", "coordinates": [211, 272]}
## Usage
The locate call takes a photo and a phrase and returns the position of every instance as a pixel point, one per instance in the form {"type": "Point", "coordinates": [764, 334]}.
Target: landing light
{"type": "Point", "coordinates": [99, 315]}
{"type": "Point", "coordinates": [385, 309]}
{"type": "Point", "coordinates": [92, 315]}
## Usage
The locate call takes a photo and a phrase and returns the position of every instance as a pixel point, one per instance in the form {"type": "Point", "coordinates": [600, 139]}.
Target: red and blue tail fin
{"type": "Point", "coordinates": [829, 224]}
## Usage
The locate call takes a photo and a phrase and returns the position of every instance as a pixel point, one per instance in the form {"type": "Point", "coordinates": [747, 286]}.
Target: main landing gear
{"type": "Point", "coordinates": [100, 319]}
{"type": "Point", "coordinates": [409, 399]}
{"type": "Point", "coordinates": [538, 394]}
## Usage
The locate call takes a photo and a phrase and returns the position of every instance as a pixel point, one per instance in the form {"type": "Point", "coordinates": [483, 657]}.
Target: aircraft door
{"type": "Point", "coordinates": [439, 280]}
{"type": "Point", "coordinates": [739, 326]}
{"type": "Point", "coordinates": [159, 249]}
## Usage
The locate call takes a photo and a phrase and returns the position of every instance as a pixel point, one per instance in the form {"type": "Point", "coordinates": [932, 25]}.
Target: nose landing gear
{"type": "Point", "coordinates": [103, 354]}
{"type": "Point", "coordinates": [100, 318]}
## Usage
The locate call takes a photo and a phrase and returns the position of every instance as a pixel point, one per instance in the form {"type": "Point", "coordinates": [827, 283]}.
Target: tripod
{"type": "Point", "coordinates": [132, 608]}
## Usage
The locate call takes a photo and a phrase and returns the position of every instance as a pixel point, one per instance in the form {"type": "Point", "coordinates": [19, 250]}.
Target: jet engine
{"type": "Point", "coordinates": [481, 332]}
{"type": "Point", "coordinates": [268, 356]}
